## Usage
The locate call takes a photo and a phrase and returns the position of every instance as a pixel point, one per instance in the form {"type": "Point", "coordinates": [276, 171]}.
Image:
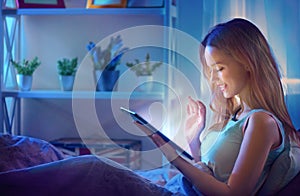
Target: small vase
{"type": "Point", "coordinates": [24, 82]}
{"type": "Point", "coordinates": [106, 80]}
{"type": "Point", "coordinates": [145, 83]}
{"type": "Point", "coordinates": [66, 82]}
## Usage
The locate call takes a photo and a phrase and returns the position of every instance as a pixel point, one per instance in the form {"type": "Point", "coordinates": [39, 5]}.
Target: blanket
{"type": "Point", "coordinates": [82, 175]}
{"type": "Point", "coordinates": [30, 166]}
{"type": "Point", "coordinates": [18, 152]}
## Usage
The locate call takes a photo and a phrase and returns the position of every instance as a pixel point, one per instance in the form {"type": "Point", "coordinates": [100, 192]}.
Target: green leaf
{"type": "Point", "coordinates": [26, 67]}
{"type": "Point", "coordinates": [67, 67]}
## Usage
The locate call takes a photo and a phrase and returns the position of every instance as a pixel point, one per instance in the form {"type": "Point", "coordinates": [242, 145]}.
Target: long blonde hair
{"type": "Point", "coordinates": [247, 45]}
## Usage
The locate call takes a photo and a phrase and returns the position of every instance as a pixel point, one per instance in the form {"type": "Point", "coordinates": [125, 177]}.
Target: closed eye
{"type": "Point", "coordinates": [220, 69]}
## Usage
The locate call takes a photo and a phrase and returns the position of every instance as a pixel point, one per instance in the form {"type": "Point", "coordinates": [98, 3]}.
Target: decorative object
{"type": "Point", "coordinates": [145, 3]}
{"type": "Point", "coordinates": [24, 82]}
{"type": "Point", "coordinates": [75, 3]}
{"type": "Point", "coordinates": [145, 83]}
{"type": "Point", "coordinates": [67, 70]}
{"type": "Point", "coordinates": [105, 63]}
{"type": "Point", "coordinates": [106, 3]}
{"type": "Point", "coordinates": [25, 71]}
{"type": "Point", "coordinates": [144, 72]}
{"type": "Point", "coordinates": [40, 4]}
{"type": "Point", "coordinates": [107, 80]}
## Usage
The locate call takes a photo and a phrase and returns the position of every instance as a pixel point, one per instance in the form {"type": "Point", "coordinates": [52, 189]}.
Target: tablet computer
{"type": "Point", "coordinates": [153, 130]}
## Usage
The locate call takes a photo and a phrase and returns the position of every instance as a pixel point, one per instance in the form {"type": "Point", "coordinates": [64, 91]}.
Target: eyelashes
{"type": "Point", "coordinates": [214, 70]}
{"type": "Point", "coordinates": [219, 69]}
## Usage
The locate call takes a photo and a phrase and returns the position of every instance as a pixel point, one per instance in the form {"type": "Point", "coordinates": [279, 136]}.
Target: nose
{"type": "Point", "coordinates": [213, 75]}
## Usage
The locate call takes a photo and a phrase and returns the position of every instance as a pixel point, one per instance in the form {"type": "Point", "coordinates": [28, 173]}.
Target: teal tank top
{"type": "Point", "coordinates": [219, 149]}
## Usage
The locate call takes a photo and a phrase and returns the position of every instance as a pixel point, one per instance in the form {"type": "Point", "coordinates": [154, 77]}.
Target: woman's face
{"type": "Point", "coordinates": [229, 75]}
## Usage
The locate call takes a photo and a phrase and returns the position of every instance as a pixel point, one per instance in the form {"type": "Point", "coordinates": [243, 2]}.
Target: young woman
{"type": "Point", "coordinates": [251, 119]}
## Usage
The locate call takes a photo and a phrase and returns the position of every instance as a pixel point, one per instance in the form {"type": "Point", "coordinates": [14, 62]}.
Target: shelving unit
{"type": "Point", "coordinates": [42, 94]}
{"type": "Point", "coordinates": [83, 11]}
{"type": "Point", "coordinates": [11, 108]}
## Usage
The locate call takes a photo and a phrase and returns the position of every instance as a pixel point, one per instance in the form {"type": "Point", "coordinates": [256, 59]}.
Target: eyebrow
{"type": "Point", "coordinates": [215, 64]}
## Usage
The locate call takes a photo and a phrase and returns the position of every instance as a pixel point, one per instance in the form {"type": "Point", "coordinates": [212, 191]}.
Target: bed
{"type": "Point", "coordinates": [30, 166]}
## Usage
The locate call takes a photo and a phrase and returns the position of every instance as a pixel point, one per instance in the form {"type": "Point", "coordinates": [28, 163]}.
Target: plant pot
{"type": "Point", "coordinates": [145, 83]}
{"type": "Point", "coordinates": [106, 80]}
{"type": "Point", "coordinates": [24, 82]}
{"type": "Point", "coordinates": [66, 82]}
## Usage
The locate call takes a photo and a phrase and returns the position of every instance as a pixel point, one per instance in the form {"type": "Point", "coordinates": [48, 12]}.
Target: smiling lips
{"type": "Point", "coordinates": [222, 87]}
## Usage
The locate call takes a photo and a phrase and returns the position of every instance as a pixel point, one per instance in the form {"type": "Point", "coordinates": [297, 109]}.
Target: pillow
{"type": "Point", "coordinates": [283, 170]}
{"type": "Point", "coordinates": [18, 152]}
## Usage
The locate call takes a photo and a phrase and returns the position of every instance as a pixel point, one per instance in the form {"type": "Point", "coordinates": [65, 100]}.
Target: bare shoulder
{"type": "Point", "coordinates": [263, 119]}
{"type": "Point", "coordinates": [265, 125]}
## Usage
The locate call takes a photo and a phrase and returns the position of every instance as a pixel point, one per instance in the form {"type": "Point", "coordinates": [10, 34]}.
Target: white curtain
{"type": "Point", "coordinates": [279, 20]}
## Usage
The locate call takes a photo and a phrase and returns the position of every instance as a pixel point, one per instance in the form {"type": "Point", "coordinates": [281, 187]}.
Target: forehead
{"type": "Point", "coordinates": [214, 56]}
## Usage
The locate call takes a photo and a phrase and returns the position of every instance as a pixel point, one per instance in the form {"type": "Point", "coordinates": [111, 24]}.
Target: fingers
{"type": "Point", "coordinates": [157, 140]}
{"type": "Point", "coordinates": [166, 148]}
{"type": "Point", "coordinates": [146, 130]}
{"type": "Point", "coordinates": [191, 106]}
{"type": "Point", "coordinates": [195, 107]}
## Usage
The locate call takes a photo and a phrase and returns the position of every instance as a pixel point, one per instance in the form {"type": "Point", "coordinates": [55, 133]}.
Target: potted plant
{"type": "Point", "coordinates": [144, 72]}
{"type": "Point", "coordinates": [105, 63]}
{"type": "Point", "coordinates": [25, 71]}
{"type": "Point", "coordinates": [67, 70]}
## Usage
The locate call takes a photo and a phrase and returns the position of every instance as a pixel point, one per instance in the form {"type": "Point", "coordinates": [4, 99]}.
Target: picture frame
{"type": "Point", "coordinates": [40, 3]}
{"type": "Point", "coordinates": [106, 3]}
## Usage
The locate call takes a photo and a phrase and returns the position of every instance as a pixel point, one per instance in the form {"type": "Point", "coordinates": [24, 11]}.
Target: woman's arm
{"type": "Point", "coordinates": [261, 135]}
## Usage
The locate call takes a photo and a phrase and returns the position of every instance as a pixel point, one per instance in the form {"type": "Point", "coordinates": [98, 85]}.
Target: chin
{"type": "Point", "coordinates": [227, 95]}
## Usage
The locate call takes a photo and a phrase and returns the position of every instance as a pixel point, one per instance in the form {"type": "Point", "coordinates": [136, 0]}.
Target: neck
{"type": "Point", "coordinates": [243, 110]}
{"type": "Point", "coordinates": [245, 107]}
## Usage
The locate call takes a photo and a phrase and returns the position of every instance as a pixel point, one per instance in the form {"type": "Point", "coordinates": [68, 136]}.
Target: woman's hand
{"type": "Point", "coordinates": [194, 125]}
{"type": "Point", "coordinates": [166, 148]}
{"type": "Point", "coordinates": [195, 122]}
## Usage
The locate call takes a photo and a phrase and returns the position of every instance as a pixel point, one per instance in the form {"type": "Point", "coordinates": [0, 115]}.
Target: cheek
{"type": "Point", "coordinates": [237, 74]}
{"type": "Point", "coordinates": [234, 79]}
{"type": "Point", "coordinates": [224, 76]}
{"type": "Point", "coordinates": [242, 75]}
{"type": "Point", "coordinates": [240, 80]}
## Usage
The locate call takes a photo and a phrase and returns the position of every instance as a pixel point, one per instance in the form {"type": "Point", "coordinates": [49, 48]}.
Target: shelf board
{"type": "Point", "coordinates": [43, 94]}
{"type": "Point", "coordinates": [84, 11]}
